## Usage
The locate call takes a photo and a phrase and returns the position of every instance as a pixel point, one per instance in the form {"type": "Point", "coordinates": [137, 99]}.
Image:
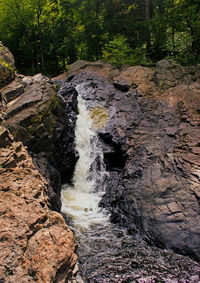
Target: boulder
{"type": "Point", "coordinates": [139, 78]}
{"type": "Point", "coordinates": [7, 65]}
{"type": "Point", "coordinates": [169, 73]}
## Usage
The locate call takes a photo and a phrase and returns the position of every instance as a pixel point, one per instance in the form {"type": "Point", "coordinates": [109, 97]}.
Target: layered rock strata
{"type": "Point", "coordinates": [148, 124]}
{"type": "Point", "coordinates": [45, 123]}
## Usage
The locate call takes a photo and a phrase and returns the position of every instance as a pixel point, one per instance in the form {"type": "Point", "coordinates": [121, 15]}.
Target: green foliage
{"type": "Point", "coordinates": [48, 35]}
{"type": "Point", "coordinates": [117, 51]}
{"type": "Point", "coordinates": [182, 48]}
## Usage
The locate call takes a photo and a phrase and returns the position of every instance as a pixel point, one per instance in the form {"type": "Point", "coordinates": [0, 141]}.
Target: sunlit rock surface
{"type": "Point", "coordinates": [36, 245]}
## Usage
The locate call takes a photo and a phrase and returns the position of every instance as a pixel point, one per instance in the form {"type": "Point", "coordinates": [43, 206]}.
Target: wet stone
{"type": "Point", "coordinates": [147, 193]}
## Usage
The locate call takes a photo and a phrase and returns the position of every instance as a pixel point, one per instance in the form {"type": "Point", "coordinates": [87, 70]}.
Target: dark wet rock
{"type": "Point", "coordinates": [121, 85]}
{"type": "Point", "coordinates": [150, 148]}
{"type": "Point", "coordinates": [69, 92]}
{"type": "Point", "coordinates": [91, 70]}
{"type": "Point", "coordinates": [52, 176]}
{"type": "Point", "coordinates": [108, 254]}
{"type": "Point", "coordinates": [64, 156]}
{"type": "Point", "coordinates": [114, 156]}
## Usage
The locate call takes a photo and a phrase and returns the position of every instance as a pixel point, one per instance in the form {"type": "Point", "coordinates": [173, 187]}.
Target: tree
{"type": "Point", "coordinates": [48, 35]}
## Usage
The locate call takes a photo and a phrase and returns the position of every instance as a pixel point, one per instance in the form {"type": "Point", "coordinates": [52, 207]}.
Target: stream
{"type": "Point", "coordinates": [107, 253]}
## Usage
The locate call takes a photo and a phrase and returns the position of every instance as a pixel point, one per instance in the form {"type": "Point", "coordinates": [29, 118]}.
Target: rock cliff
{"type": "Point", "coordinates": [44, 122]}
{"type": "Point", "coordinates": [36, 245]}
{"type": "Point", "coordinates": [7, 73]}
{"type": "Point", "coordinates": [151, 148]}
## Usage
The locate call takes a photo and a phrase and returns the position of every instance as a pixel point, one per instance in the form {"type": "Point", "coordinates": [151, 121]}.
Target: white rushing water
{"type": "Point", "coordinates": [106, 252]}
{"type": "Point", "coordinates": [80, 201]}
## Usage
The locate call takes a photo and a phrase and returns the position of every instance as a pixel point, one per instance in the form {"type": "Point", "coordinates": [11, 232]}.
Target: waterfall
{"type": "Point", "coordinates": [80, 201]}
{"type": "Point", "coordinates": [106, 252]}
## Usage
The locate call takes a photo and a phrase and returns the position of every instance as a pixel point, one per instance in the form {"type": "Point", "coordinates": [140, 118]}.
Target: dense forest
{"type": "Point", "coordinates": [48, 35]}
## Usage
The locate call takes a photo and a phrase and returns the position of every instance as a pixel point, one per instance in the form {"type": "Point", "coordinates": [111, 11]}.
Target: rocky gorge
{"type": "Point", "coordinates": [147, 121]}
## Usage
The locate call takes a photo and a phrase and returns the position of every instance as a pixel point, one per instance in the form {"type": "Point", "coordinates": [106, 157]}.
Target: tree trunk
{"type": "Point", "coordinates": [147, 18]}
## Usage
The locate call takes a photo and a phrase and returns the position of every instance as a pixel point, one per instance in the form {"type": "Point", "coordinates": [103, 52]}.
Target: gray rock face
{"type": "Point", "coordinates": [45, 123]}
{"type": "Point", "coordinates": [13, 90]}
{"type": "Point", "coordinates": [169, 73]}
{"type": "Point", "coordinates": [151, 149]}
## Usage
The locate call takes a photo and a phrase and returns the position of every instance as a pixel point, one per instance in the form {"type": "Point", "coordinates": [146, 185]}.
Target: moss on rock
{"type": "Point", "coordinates": [7, 64]}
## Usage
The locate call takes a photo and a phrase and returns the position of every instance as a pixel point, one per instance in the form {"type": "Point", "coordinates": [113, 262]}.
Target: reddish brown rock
{"type": "Point", "coordinates": [140, 78]}
{"type": "Point", "coordinates": [36, 245]}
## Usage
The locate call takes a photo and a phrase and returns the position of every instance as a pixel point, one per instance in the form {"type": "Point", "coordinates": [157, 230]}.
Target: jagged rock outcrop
{"type": "Point", "coordinates": [7, 73]}
{"type": "Point", "coordinates": [35, 243]}
{"type": "Point", "coordinates": [45, 123]}
{"type": "Point", "coordinates": [151, 149]}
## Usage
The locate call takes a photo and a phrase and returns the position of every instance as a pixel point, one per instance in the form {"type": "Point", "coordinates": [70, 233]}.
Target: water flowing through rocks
{"type": "Point", "coordinates": [107, 253]}
{"type": "Point", "coordinates": [80, 201]}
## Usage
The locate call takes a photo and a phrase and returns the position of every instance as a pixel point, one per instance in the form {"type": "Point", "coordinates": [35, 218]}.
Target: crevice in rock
{"type": "Point", "coordinates": [35, 228]}
{"type": "Point", "coordinates": [114, 156]}
{"type": "Point", "coordinates": [197, 198]}
{"type": "Point", "coordinates": [61, 273]}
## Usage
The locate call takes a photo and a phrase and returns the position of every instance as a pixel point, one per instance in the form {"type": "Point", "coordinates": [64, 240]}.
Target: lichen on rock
{"type": "Point", "coordinates": [7, 64]}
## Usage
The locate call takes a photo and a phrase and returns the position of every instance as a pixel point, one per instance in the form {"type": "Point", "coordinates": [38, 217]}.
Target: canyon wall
{"type": "Point", "coordinates": [36, 245]}
{"type": "Point", "coordinates": [147, 121]}
{"type": "Point", "coordinates": [150, 140]}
